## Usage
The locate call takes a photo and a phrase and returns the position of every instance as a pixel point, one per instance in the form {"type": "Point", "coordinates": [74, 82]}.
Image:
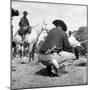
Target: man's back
{"type": "Point", "coordinates": [56, 37]}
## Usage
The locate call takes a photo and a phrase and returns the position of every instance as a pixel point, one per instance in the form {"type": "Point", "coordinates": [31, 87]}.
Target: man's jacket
{"type": "Point", "coordinates": [23, 26]}
{"type": "Point", "coordinates": [23, 22]}
{"type": "Point", "coordinates": [56, 37]}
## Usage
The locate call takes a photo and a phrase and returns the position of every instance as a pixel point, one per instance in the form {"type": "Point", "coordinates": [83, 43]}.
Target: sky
{"type": "Point", "coordinates": [74, 16]}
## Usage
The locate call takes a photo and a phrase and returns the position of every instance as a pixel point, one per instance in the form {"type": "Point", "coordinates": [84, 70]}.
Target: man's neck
{"type": "Point", "coordinates": [59, 27]}
{"type": "Point", "coordinates": [24, 16]}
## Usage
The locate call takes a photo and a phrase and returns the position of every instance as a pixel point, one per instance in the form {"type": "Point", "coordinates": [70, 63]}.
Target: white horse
{"type": "Point", "coordinates": [20, 42]}
{"type": "Point", "coordinates": [41, 40]}
{"type": "Point", "coordinates": [33, 38]}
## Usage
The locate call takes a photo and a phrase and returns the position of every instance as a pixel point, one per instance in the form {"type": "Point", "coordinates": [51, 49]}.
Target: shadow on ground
{"type": "Point", "coordinates": [44, 72]}
{"type": "Point", "coordinates": [83, 64]}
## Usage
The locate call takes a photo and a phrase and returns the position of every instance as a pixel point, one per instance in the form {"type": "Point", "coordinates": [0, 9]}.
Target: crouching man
{"type": "Point", "coordinates": [56, 48]}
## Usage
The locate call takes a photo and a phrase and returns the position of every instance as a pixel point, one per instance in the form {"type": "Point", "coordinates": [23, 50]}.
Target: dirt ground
{"type": "Point", "coordinates": [34, 75]}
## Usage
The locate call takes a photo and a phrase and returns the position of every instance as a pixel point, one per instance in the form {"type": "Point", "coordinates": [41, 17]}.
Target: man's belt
{"type": "Point", "coordinates": [52, 50]}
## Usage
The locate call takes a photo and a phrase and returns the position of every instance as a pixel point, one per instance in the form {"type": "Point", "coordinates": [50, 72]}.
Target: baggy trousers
{"type": "Point", "coordinates": [56, 58]}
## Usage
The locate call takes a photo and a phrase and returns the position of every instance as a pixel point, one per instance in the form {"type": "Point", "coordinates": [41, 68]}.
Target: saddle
{"type": "Point", "coordinates": [24, 30]}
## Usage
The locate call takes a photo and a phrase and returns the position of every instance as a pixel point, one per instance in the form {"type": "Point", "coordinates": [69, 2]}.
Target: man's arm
{"type": "Point", "coordinates": [20, 22]}
{"type": "Point", "coordinates": [27, 22]}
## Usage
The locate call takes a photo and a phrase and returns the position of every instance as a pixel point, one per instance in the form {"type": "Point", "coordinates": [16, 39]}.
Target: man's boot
{"type": "Point", "coordinates": [60, 70]}
{"type": "Point", "coordinates": [49, 69]}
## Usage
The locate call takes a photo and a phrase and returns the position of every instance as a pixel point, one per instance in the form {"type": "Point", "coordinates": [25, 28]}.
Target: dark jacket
{"type": "Point", "coordinates": [56, 37]}
{"type": "Point", "coordinates": [23, 22]}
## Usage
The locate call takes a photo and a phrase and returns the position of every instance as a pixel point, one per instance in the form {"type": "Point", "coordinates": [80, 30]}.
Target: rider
{"type": "Point", "coordinates": [56, 47]}
{"type": "Point", "coordinates": [24, 24]}
{"type": "Point", "coordinates": [24, 21]}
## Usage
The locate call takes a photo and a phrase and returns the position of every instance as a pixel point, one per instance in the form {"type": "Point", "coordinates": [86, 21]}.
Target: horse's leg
{"type": "Point", "coordinates": [33, 50]}
{"type": "Point", "coordinates": [25, 52]}
{"type": "Point", "coordinates": [30, 53]}
{"type": "Point", "coordinates": [22, 52]}
{"type": "Point", "coordinates": [14, 53]}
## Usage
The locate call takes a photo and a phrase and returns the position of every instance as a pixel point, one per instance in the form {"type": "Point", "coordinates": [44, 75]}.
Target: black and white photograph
{"type": "Point", "coordinates": [49, 44]}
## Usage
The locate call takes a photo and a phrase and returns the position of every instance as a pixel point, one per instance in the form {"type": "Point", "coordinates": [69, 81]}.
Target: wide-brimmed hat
{"type": "Point", "coordinates": [25, 13]}
{"type": "Point", "coordinates": [60, 23]}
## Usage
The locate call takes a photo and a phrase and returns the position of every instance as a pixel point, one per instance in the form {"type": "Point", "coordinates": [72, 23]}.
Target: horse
{"type": "Point", "coordinates": [30, 39]}
{"type": "Point", "coordinates": [41, 40]}
{"type": "Point", "coordinates": [33, 39]}
{"type": "Point", "coordinates": [18, 41]}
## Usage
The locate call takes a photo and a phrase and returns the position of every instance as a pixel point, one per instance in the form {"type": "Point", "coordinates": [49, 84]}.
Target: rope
{"type": "Point", "coordinates": [83, 41]}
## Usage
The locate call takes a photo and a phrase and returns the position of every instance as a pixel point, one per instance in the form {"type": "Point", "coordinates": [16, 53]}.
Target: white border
{"type": "Point", "coordinates": [5, 44]}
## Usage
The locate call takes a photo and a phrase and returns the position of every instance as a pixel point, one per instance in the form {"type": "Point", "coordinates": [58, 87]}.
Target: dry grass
{"type": "Point", "coordinates": [35, 75]}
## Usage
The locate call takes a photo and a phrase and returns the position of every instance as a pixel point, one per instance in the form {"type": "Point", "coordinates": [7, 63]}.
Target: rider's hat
{"type": "Point", "coordinates": [60, 23]}
{"type": "Point", "coordinates": [25, 13]}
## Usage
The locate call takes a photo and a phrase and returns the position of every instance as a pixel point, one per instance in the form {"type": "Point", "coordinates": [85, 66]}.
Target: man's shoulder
{"type": "Point", "coordinates": [59, 31]}
{"type": "Point", "coordinates": [54, 30]}
{"type": "Point", "coordinates": [21, 18]}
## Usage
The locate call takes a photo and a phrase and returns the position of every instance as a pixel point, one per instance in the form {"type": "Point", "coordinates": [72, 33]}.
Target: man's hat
{"type": "Point", "coordinates": [60, 23]}
{"type": "Point", "coordinates": [25, 13]}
